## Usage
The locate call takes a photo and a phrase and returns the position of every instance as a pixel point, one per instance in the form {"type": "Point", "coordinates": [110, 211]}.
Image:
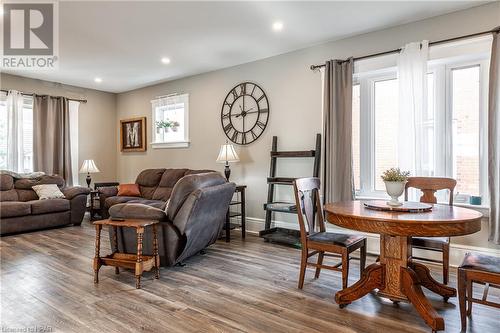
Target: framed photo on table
{"type": "Point", "coordinates": [133, 134]}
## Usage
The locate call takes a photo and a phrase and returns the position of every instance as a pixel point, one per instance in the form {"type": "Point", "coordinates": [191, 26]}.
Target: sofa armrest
{"type": "Point", "coordinates": [73, 191]}
{"type": "Point", "coordinates": [137, 211]}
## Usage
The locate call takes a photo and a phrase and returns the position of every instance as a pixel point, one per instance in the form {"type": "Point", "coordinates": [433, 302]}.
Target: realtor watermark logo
{"type": "Point", "coordinates": [30, 38]}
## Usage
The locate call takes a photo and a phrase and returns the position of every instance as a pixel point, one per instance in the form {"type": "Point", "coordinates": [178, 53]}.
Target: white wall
{"type": "Point", "coordinates": [96, 119]}
{"type": "Point", "coordinates": [294, 92]}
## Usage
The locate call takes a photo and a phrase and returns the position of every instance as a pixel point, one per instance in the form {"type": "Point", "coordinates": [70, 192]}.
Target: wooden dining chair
{"type": "Point", "coordinates": [429, 186]}
{"type": "Point", "coordinates": [313, 235]}
{"type": "Point", "coordinates": [481, 269]}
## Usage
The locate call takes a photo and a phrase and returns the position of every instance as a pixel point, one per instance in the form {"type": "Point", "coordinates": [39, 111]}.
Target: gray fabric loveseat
{"type": "Point", "coordinates": [21, 211]}
{"type": "Point", "coordinates": [194, 217]}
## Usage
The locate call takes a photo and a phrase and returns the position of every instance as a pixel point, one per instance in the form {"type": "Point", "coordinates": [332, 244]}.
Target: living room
{"type": "Point", "coordinates": [156, 94]}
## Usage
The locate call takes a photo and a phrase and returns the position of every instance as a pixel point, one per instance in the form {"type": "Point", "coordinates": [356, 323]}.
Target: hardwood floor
{"type": "Point", "coordinates": [243, 286]}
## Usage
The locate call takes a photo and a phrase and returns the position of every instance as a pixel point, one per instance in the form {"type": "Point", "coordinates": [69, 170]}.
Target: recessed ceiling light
{"type": "Point", "coordinates": [97, 80]}
{"type": "Point", "coordinates": [165, 60]}
{"type": "Point", "coordinates": [278, 26]}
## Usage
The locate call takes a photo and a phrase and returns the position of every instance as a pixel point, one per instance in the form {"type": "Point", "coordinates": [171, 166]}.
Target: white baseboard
{"type": "Point", "coordinates": [457, 251]}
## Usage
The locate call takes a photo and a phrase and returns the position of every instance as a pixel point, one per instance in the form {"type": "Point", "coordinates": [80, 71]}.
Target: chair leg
{"type": "Point", "coordinates": [462, 296]}
{"type": "Point", "coordinates": [446, 263]}
{"type": "Point", "coordinates": [469, 297]}
{"type": "Point", "coordinates": [362, 259]}
{"type": "Point", "coordinates": [320, 262]}
{"type": "Point", "coordinates": [345, 268]}
{"type": "Point", "coordinates": [303, 266]}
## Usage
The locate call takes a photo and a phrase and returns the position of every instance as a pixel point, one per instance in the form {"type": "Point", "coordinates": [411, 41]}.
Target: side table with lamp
{"type": "Point", "coordinates": [227, 155]}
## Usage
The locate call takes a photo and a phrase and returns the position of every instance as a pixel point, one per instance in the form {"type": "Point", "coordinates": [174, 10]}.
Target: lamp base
{"type": "Point", "coordinates": [227, 171]}
{"type": "Point", "coordinates": [88, 180]}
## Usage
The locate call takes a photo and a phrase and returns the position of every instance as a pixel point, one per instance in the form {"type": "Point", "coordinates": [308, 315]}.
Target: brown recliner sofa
{"type": "Point", "coordinates": [192, 221]}
{"type": "Point", "coordinates": [21, 211]}
{"type": "Point", "coordinates": [155, 185]}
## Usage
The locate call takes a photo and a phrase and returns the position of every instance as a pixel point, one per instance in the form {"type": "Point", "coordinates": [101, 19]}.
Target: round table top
{"type": "Point", "coordinates": [441, 221]}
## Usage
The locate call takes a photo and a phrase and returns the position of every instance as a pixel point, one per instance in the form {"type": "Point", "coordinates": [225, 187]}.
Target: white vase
{"type": "Point", "coordinates": [394, 189]}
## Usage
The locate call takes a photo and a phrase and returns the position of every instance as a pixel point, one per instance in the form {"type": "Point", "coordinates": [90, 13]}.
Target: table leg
{"type": "Point", "coordinates": [97, 262]}
{"type": "Point", "coordinates": [115, 245]}
{"type": "Point", "coordinates": [394, 254]}
{"type": "Point", "coordinates": [243, 214]}
{"type": "Point", "coordinates": [410, 286]}
{"type": "Point", "coordinates": [138, 264]}
{"type": "Point", "coordinates": [155, 252]}
{"type": "Point", "coordinates": [228, 227]}
{"type": "Point", "coordinates": [426, 280]}
{"type": "Point", "coordinates": [372, 278]}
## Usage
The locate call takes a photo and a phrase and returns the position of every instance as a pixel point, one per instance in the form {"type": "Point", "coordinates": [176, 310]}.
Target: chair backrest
{"type": "Point", "coordinates": [429, 186]}
{"type": "Point", "coordinates": [308, 202]}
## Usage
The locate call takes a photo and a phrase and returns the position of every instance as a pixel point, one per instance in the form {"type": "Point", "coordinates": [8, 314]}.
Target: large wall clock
{"type": "Point", "coordinates": [245, 113]}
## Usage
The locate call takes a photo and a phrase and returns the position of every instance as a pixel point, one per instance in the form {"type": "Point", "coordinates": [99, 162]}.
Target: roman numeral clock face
{"type": "Point", "coordinates": [245, 113]}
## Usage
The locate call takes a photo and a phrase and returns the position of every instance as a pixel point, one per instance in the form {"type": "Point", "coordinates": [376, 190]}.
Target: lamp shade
{"type": "Point", "coordinates": [227, 154]}
{"type": "Point", "coordinates": [89, 166]}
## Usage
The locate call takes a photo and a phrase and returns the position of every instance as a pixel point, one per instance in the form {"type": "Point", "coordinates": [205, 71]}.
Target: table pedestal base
{"type": "Point", "coordinates": [399, 279]}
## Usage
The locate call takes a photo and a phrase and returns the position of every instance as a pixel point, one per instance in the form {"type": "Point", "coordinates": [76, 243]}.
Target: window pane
{"type": "Point", "coordinates": [428, 141]}
{"type": "Point", "coordinates": [386, 128]}
{"type": "Point", "coordinates": [356, 135]}
{"type": "Point", "coordinates": [28, 135]}
{"type": "Point", "coordinates": [465, 109]}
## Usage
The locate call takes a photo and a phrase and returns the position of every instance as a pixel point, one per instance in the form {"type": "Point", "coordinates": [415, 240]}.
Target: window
{"type": "Point", "coordinates": [453, 127]}
{"type": "Point", "coordinates": [170, 121]}
{"type": "Point", "coordinates": [27, 133]}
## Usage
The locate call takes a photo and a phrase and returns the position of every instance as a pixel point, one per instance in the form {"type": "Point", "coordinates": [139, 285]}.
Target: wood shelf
{"type": "Point", "coordinates": [282, 236]}
{"type": "Point", "coordinates": [291, 154]}
{"type": "Point", "coordinates": [283, 207]}
{"type": "Point", "coordinates": [280, 180]}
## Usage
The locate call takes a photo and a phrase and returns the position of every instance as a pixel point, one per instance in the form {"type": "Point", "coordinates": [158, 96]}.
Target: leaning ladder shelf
{"type": "Point", "coordinates": [277, 234]}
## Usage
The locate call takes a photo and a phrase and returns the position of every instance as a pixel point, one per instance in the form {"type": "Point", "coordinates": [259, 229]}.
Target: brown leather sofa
{"type": "Point", "coordinates": [21, 211]}
{"type": "Point", "coordinates": [155, 185]}
{"type": "Point", "coordinates": [192, 221]}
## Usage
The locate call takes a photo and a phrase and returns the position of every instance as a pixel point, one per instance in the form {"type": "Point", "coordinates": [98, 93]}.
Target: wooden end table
{"type": "Point", "coordinates": [139, 262]}
{"type": "Point", "coordinates": [230, 214]}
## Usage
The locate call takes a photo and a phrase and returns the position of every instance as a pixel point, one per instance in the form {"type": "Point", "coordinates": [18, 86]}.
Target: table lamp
{"type": "Point", "coordinates": [89, 167]}
{"type": "Point", "coordinates": [227, 155]}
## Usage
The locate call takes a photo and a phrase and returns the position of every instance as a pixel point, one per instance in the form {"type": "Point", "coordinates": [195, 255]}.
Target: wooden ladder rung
{"type": "Point", "coordinates": [298, 153]}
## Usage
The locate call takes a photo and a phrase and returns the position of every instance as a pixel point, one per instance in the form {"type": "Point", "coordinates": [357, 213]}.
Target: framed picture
{"type": "Point", "coordinates": [133, 134]}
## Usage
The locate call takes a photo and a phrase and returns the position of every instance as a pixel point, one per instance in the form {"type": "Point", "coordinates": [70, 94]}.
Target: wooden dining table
{"type": "Point", "coordinates": [396, 276]}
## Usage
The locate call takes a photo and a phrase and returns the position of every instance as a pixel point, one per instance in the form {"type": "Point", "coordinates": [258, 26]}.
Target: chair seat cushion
{"type": "Point", "coordinates": [334, 238]}
{"type": "Point", "coordinates": [14, 208]}
{"type": "Point", "coordinates": [49, 206]}
{"type": "Point", "coordinates": [481, 262]}
{"type": "Point", "coordinates": [436, 242]}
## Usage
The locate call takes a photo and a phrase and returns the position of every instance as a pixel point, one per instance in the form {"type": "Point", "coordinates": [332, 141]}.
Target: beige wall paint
{"type": "Point", "coordinates": [294, 93]}
{"type": "Point", "coordinates": [97, 121]}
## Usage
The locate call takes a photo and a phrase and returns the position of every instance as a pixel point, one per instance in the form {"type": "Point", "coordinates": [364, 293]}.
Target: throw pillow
{"type": "Point", "coordinates": [129, 190]}
{"type": "Point", "coordinates": [48, 191]}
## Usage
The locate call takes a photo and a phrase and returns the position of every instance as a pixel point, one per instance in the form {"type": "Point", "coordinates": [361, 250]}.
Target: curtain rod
{"type": "Point", "coordinates": [26, 94]}
{"type": "Point", "coordinates": [496, 30]}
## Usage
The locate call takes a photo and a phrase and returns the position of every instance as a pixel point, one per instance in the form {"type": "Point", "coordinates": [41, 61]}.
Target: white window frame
{"type": "Point", "coordinates": [170, 144]}
{"type": "Point", "coordinates": [443, 123]}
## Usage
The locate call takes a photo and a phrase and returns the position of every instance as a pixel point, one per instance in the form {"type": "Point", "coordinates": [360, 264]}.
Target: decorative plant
{"type": "Point", "coordinates": [395, 175]}
{"type": "Point", "coordinates": [167, 124]}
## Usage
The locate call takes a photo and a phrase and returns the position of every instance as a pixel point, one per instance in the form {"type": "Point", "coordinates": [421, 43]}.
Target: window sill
{"type": "Point", "coordinates": [485, 210]}
{"type": "Point", "coordinates": [166, 145]}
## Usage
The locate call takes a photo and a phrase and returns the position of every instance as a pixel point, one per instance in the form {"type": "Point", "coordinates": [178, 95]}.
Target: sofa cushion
{"type": "Point", "coordinates": [136, 211]}
{"type": "Point", "coordinates": [14, 208]}
{"type": "Point", "coordinates": [49, 206]}
{"type": "Point", "coordinates": [150, 177]}
{"type": "Point", "coordinates": [168, 180]}
{"type": "Point", "coordinates": [116, 200]}
{"type": "Point", "coordinates": [9, 195]}
{"type": "Point", "coordinates": [152, 203]}
{"type": "Point", "coordinates": [6, 182]}
{"type": "Point", "coordinates": [27, 184]}
{"type": "Point", "coordinates": [26, 195]}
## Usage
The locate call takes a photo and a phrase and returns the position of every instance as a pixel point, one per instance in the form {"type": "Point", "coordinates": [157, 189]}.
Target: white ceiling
{"type": "Point", "coordinates": [123, 42]}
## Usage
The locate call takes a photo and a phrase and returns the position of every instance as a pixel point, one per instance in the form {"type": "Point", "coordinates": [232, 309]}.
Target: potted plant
{"type": "Point", "coordinates": [395, 181]}
{"type": "Point", "coordinates": [167, 125]}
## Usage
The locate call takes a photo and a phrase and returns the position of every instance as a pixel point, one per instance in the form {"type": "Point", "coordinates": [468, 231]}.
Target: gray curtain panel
{"type": "Point", "coordinates": [494, 140]}
{"type": "Point", "coordinates": [51, 137]}
{"type": "Point", "coordinates": [337, 131]}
